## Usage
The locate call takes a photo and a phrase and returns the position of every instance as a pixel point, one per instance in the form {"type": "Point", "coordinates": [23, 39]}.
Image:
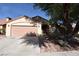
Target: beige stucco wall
{"type": "Point", "coordinates": [39, 26]}
{"type": "Point", "coordinates": [1, 27]}
{"type": "Point", "coordinates": [8, 28]}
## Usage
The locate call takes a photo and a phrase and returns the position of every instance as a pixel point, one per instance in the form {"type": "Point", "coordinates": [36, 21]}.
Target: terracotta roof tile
{"type": "Point", "coordinates": [4, 21]}
{"type": "Point", "coordinates": [39, 19]}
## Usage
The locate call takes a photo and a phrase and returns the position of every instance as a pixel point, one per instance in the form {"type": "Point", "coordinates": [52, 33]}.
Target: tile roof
{"type": "Point", "coordinates": [34, 19]}
{"type": "Point", "coordinates": [39, 19]}
{"type": "Point", "coordinates": [22, 17]}
{"type": "Point", "coordinates": [4, 21]}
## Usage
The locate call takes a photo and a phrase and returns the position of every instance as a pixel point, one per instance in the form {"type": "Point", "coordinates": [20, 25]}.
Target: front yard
{"type": "Point", "coordinates": [15, 47]}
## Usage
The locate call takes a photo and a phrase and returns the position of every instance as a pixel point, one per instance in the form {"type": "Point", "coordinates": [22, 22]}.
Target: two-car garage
{"type": "Point", "coordinates": [21, 31]}
{"type": "Point", "coordinates": [21, 27]}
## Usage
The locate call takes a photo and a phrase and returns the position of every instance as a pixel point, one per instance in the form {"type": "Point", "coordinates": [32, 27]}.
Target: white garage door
{"type": "Point", "coordinates": [22, 31]}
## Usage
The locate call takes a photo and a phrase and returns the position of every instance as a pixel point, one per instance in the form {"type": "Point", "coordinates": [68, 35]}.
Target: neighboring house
{"type": "Point", "coordinates": [3, 23]}
{"type": "Point", "coordinates": [24, 26]}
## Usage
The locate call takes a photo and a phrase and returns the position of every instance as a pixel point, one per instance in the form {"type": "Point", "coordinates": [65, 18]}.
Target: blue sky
{"type": "Point", "coordinates": [14, 10]}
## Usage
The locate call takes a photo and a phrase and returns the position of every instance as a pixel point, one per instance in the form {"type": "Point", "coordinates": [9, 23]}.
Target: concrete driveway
{"type": "Point", "coordinates": [12, 46]}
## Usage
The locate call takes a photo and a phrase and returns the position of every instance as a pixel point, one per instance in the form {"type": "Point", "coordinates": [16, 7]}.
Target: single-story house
{"type": "Point", "coordinates": [3, 23]}
{"type": "Point", "coordinates": [24, 26]}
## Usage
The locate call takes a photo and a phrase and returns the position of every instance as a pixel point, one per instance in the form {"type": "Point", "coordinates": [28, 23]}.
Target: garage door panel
{"type": "Point", "coordinates": [22, 31]}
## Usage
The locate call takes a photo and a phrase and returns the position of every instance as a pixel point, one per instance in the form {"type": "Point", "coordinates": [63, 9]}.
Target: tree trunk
{"type": "Point", "coordinates": [66, 20]}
